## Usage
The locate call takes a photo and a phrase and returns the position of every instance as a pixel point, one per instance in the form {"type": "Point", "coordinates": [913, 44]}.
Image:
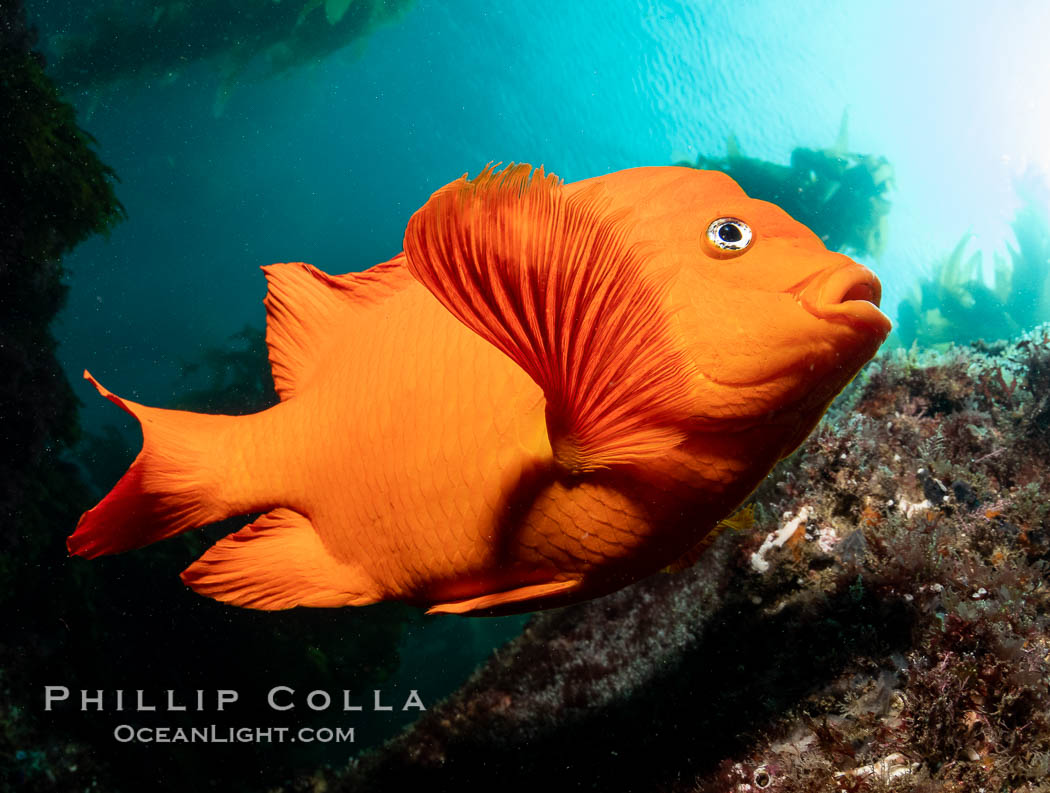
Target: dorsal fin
{"type": "Point", "coordinates": [302, 302]}
{"type": "Point", "coordinates": [550, 280]}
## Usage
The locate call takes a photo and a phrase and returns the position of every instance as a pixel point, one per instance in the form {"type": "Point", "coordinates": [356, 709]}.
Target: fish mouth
{"type": "Point", "coordinates": [849, 294]}
{"type": "Point", "coordinates": [809, 362]}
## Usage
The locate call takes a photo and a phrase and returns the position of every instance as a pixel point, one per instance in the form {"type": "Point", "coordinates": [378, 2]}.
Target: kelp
{"type": "Point", "coordinates": [960, 303]}
{"type": "Point", "coordinates": [54, 193]}
{"type": "Point", "coordinates": [840, 195]}
{"type": "Point", "coordinates": [119, 39]}
{"type": "Point", "coordinates": [83, 624]}
{"type": "Point", "coordinates": [237, 378]}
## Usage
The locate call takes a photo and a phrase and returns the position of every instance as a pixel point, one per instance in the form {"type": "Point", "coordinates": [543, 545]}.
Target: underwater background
{"type": "Point", "coordinates": [221, 136]}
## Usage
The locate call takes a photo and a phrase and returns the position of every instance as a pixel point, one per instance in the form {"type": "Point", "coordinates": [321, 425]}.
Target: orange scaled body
{"type": "Point", "coordinates": [554, 391]}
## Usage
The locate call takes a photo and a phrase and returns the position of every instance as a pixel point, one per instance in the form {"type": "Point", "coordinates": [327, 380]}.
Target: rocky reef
{"type": "Point", "coordinates": [883, 626]}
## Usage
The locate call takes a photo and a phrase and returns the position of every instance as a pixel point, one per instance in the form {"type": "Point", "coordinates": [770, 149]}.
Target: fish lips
{"type": "Point", "coordinates": [849, 295]}
{"type": "Point", "coordinates": [844, 329]}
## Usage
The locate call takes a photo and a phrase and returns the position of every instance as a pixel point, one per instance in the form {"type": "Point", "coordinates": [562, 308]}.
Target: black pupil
{"type": "Point", "coordinates": [730, 232]}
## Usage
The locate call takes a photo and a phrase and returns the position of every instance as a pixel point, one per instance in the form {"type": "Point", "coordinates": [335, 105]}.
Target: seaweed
{"type": "Point", "coordinates": [121, 40]}
{"type": "Point", "coordinates": [960, 303]}
{"type": "Point", "coordinates": [237, 377]}
{"type": "Point", "coordinates": [54, 193]}
{"type": "Point", "coordinates": [840, 195]}
{"type": "Point", "coordinates": [1027, 294]}
{"type": "Point", "coordinates": [85, 624]}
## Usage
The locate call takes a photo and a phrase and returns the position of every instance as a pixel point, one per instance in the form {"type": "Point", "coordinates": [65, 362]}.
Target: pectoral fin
{"type": "Point", "coordinates": [552, 281]}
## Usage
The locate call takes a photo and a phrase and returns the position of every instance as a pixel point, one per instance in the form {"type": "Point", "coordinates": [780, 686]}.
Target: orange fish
{"type": "Point", "coordinates": [555, 390]}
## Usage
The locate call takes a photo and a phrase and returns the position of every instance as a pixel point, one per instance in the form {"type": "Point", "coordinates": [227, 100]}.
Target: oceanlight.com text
{"type": "Point", "coordinates": [127, 733]}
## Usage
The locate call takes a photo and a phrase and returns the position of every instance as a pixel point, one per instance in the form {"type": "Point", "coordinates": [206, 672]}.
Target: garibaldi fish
{"type": "Point", "coordinates": [553, 391]}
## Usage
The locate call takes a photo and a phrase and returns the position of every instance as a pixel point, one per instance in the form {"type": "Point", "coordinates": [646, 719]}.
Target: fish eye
{"type": "Point", "coordinates": [729, 235]}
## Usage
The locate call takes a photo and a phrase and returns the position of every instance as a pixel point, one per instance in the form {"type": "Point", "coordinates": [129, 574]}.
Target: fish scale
{"type": "Point", "coordinates": [553, 391]}
{"type": "Point", "coordinates": [431, 479]}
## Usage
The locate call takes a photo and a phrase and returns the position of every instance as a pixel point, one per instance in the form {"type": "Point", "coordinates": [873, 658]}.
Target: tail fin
{"type": "Point", "coordinates": [170, 488]}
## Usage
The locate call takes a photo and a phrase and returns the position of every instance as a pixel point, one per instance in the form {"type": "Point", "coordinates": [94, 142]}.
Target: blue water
{"type": "Point", "coordinates": [327, 163]}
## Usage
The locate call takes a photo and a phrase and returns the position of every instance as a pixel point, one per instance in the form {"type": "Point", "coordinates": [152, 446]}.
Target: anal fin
{"type": "Point", "coordinates": [506, 602]}
{"type": "Point", "coordinates": [278, 562]}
